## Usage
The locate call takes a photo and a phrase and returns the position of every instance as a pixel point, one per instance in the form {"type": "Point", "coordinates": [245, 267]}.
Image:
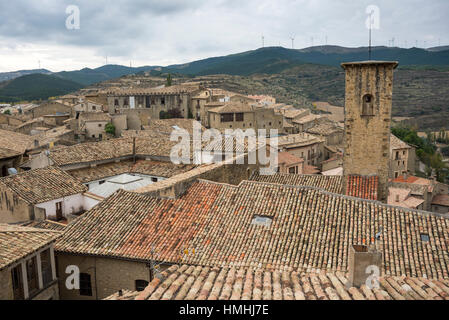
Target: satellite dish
{"type": "Point", "coordinates": [12, 171]}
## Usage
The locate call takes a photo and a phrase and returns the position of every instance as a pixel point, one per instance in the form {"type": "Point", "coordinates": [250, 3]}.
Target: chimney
{"type": "Point", "coordinates": [360, 258]}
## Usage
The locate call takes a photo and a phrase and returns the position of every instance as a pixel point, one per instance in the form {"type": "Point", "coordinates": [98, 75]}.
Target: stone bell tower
{"type": "Point", "coordinates": [368, 99]}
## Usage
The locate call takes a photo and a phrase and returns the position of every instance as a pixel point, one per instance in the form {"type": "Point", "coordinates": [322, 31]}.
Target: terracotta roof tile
{"type": "Point", "coordinates": [310, 229]}
{"type": "Point", "coordinates": [17, 242]}
{"type": "Point", "coordinates": [365, 187]}
{"type": "Point", "coordinates": [286, 285]}
{"type": "Point", "coordinates": [41, 185]}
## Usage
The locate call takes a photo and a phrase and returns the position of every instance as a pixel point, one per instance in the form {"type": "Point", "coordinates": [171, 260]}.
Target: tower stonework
{"type": "Point", "coordinates": [368, 100]}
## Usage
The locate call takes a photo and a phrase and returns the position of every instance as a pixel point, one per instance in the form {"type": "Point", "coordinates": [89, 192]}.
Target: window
{"type": "Point", "coordinates": [239, 117]}
{"type": "Point", "coordinates": [291, 170]}
{"type": "Point", "coordinates": [31, 267]}
{"type": "Point", "coordinates": [116, 102]}
{"type": "Point", "coordinates": [397, 155]}
{"type": "Point", "coordinates": [85, 285]}
{"type": "Point", "coordinates": [163, 100]}
{"type": "Point", "coordinates": [126, 102]}
{"type": "Point", "coordinates": [396, 174]}
{"type": "Point", "coordinates": [141, 285]}
{"type": "Point", "coordinates": [425, 237]}
{"type": "Point", "coordinates": [94, 108]}
{"type": "Point", "coordinates": [99, 125]}
{"type": "Point", "coordinates": [154, 179]}
{"type": "Point", "coordinates": [102, 181]}
{"type": "Point", "coordinates": [47, 275]}
{"type": "Point", "coordinates": [100, 136]}
{"type": "Point", "coordinates": [147, 102]}
{"type": "Point", "coordinates": [367, 105]}
{"type": "Point", "coordinates": [17, 283]}
{"type": "Point", "coordinates": [227, 117]}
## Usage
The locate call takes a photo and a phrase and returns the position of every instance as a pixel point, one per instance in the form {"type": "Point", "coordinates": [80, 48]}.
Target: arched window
{"type": "Point", "coordinates": [368, 105]}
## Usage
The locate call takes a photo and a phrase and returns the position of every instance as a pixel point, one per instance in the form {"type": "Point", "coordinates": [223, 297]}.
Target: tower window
{"type": "Point", "coordinates": [368, 105]}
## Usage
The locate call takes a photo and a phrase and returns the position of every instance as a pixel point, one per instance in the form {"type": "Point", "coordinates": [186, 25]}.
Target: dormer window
{"type": "Point", "coordinates": [261, 221]}
{"type": "Point", "coordinates": [367, 105]}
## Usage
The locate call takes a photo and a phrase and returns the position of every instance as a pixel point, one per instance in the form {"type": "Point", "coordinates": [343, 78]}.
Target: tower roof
{"type": "Point", "coordinates": [370, 62]}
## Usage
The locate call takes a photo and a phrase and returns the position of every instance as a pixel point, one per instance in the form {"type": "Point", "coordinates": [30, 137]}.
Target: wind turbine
{"type": "Point", "coordinates": [293, 41]}
{"type": "Point", "coordinates": [263, 41]}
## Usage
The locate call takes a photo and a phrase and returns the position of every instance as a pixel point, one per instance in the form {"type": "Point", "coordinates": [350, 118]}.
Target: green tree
{"type": "Point", "coordinates": [169, 80]}
{"type": "Point", "coordinates": [110, 128]}
{"type": "Point", "coordinates": [7, 112]}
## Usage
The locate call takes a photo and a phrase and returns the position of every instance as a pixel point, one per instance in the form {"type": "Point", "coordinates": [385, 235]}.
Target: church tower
{"type": "Point", "coordinates": [368, 99]}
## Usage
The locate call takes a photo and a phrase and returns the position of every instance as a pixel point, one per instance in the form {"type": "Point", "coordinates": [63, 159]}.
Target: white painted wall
{"type": "Point", "coordinates": [70, 205]}
{"type": "Point", "coordinates": [96, 183]}
{"type": "Point", "coordinates": [89, 203]}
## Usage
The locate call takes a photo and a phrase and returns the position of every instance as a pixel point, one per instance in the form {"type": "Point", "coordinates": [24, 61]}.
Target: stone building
{"type": "Point", "coordinates": [244, 116]}
{"type": "Point", "coordinates": [368, 99]}
{"type": "Point", "coordinates": [402, 158]}
{"type": "Point", "coordinates": [330, 131]}
{"type": "Point", "coordinates": [158, 100]}
{"type": "Point", "coordinates": [27, 263]}
{"type": "Point", "coordinates": [40, 194]}
{"type": "Point", "coordinates": [91, 125]}
{"type": "Point", "coordinates": [303, 145]}
{"type": "Point", "coordinates": [13, 147]}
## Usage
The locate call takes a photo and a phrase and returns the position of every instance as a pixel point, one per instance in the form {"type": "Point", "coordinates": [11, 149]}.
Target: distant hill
{"type": "Point", "coordinates": [4, 76]}
{"type": "Point", "coordinates": [273, 60]}
{"type": "Point", "coordinates": [88, 76]}
{"type": "Point", "coordinates": [35, 87]}
{"type": "Point", "coordinates": [437, 49]}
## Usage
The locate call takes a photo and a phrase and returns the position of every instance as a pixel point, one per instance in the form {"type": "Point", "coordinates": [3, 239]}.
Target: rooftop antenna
{"type": "Point", "coordinates": [293, 42]}
{"type": "Point", "coordinates": [370, 29]}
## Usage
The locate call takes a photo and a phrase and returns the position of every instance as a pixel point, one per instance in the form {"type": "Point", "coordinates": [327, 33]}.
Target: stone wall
{"type": "Point", "coordinates": [108, 275]}
{"type": "Point", "coordinates": [6, 292]}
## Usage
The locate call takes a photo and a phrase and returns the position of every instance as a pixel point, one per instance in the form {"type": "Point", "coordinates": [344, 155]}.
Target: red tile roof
{"type": "Point", "coordinates": [203, 283]}
{"type": "Point", "coordinates": [310, 229]}
{"type": "Point", "coordinates": [362, 187]}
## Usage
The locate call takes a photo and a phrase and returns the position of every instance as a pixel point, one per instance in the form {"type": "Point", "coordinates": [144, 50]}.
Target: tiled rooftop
{"type": "Point", "coordinates": [147, 167]}
{"type": "Point", "coordinates": [17, 242]}
{"type": "Point", "coordinates": [203, 283]}
{"type": "Point", "coordinates": [41, 185]}
{"type": "Point", "coordinates": [157, 145]}
{"type": "Point", "coordinates": [328, 183]}
{"type": "Point", "coordinates": [176, 89]}
{"type": "Point", "coordinates": [45, 224]}
{"type": "Point", "coordinates": [310, 229]}
{"type": "Point", "coordinates": [325, 129]}
{"type": "Point", "coordinates": [396, 143]}
{"type": "Point", "coordinates": [441, 200]}
{"type": "Point", "coordinates": [365, 187]}
{"type": "Point", "coordinates": [298, 140]}
{"type": "Point", "coordinates": [15, 141]}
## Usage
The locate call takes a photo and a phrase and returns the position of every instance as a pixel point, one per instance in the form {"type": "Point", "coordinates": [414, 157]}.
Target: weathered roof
{"type": "Point", "coordinates": [441, 200]}
{"type": "Point", "coordinates": [297, 140]}
{"type": "Point", "coordinates": [325, 129]}
{"type": "Point", "coordinates": [147, 167]}
{"type": "Point", "coordinates": [188, 282]}
{"type": "Point", "coordinates": [176, 89]}
{"type": "Point", "coordinates": [396, 143]}
{"type": "Point", "coordinates": [327, 183]}
{"type": "Point", "coordinates": [288, 159]}
{"type": "Point", "coordinates": [41, 185]}
{"type": "Point", "coordinates": [365, 187]}
{"type": "Point", "coordinates": [231, 107]}
{"type": "Point", "coordinates": [45, 224]}
{"type": "Point", "coordinates": [17, 242]}
{"type": "Point", "coordinates": [307, 118]}
{"type": "Point", "coordinates": [154, 145]}
{"type": "Point", "coordinates": [15, 141]}
{"type": "Point", "coordinates": [309, 229]}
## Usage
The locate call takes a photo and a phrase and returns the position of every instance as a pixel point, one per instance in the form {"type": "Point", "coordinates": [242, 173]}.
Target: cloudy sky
{"type": "Point", "coordinates": [163, 32]}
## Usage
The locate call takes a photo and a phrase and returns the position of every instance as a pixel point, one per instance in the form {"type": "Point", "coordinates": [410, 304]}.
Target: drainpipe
{"type": "Point", "coordinates": [134, 149]}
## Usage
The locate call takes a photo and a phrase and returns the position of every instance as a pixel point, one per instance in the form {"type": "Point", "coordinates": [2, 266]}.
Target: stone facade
{"type": "Point", "coordinates": [107, 275]}
{"type": "Point", "coordinates": [369, 90]}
